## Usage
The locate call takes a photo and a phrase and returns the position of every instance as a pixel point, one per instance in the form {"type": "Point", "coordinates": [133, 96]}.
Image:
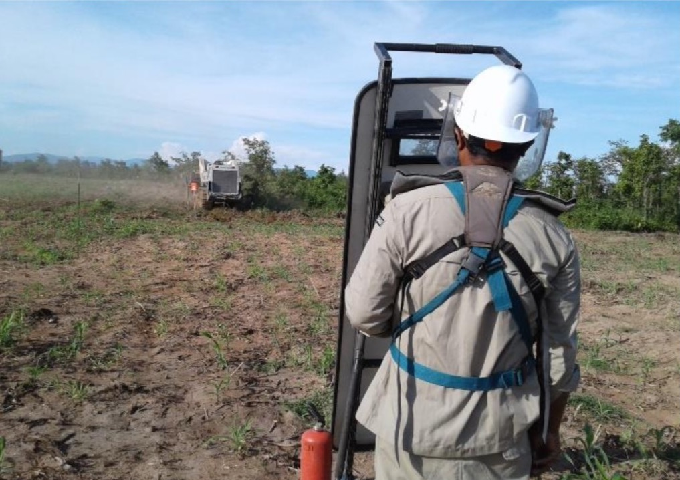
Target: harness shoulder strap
{"type": "Point", "coordinates": [535, 285]}
{"type": "Point", "coordinates": [417, 268]}
{"type": "Point", "coordinates": [504, 295]}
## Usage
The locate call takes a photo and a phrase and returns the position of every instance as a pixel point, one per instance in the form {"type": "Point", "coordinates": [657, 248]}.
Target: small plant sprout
{"type": "Point", "coordinates": [78, 338]}
{"type": "Point", "coordinates": [161, 328]}
{"type": "Point", "coordinates": [3, 468]}
{"type": "Point", "coordinates": [659, 435]}
{"type": "Point", "coordinates": [646, 365]}
{"type": "Point", "coordinates": [10, 326]}
{"type": "Point", "coordinates": [308, 359]}
{"type": "Point", "coordinates": [221, 385]}
{"type": "Point", "coordinates": [217, 348]}
{"type": "Point", "coordinates": [76, 390]}
{"type": "Point", "coordinates": [597, 465]}
{"type": "Point", "coordinates": [220, 283]}
{"type": "Point", "coordinates": [327, 361]}
{"type": "Point", "coordinates": [224, 334]}
{"type": "Point", "coordinates": [239, 435]}
{"type": "Point", "coordinates": [34, 372]}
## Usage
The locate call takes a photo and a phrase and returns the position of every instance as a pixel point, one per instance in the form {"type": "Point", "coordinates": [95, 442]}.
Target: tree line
{"type": "Point", "coordinates": [633, 188]}
{"type": "Point", "coordinates": [288, 188]}
{"type": "Point", "coordinates": [263, 185]}
{"type": "Point", "coordinates": [74, 167]}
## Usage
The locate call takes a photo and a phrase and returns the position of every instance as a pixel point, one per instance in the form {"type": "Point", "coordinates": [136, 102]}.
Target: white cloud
{"type": "Point", "coordinates": [287, 154]}
{"type": "Point", "coordinates": [211, 156]}
{"type": "Point", "coordinates": [604, 45]}
{"type": "Point", "coordinates": [171, 149]}
{"type": "Point", "coordinates": [237, 147]}
{"type": "Point", "coordinates": [310, 158]}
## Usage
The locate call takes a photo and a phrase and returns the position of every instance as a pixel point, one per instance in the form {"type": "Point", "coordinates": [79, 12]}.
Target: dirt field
{"type": "Point", "coordinates": [143, 340]}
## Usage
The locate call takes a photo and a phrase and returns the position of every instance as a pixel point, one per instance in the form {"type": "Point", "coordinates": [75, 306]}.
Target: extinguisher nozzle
{"type": "Point", "coordinates": [314, 412]}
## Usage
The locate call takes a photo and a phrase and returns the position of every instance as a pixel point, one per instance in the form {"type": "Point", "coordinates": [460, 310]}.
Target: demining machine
{"type": "Point", "coordinates": [220, 183]}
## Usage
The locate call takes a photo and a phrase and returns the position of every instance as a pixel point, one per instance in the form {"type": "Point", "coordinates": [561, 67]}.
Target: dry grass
{"type": "Point", "coordinates": [157, 341]}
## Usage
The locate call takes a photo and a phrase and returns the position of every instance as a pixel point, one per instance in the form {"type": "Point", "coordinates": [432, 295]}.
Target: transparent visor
{"type": "Point", "coordinates": [447, 150]}
{"type": "Point", "coordinates": [529, 164]}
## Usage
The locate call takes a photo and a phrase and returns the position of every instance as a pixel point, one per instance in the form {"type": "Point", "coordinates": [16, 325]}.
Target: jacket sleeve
{"type": "Point", "coordinates": [372, 289]}
{"type": "Point", "coordinates": [562, 313]}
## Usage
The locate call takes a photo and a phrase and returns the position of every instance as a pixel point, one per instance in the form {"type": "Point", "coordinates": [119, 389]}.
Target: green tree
{"type": "Point", "coordinates": [106, 168]}
{"type": "Point", "coordinates": [589, 179]}
{"type": "Point", "coordinates": [185, 164]}
{"type": "Point", "coordinates": [670, 133]}
{"type": "Point", "coordinates": [560, 176]}
{"type": "Point", "coordinates": [157, 164]}
{"type": "Point", "coordinates": [641, 177]}
{"type": "Point", "coordinates": [535, 182]}
{"type": "Point", "coordinates": [42, 164]}
{"type": "Point", "coordinates": [291, 183]}
{"type": "Point", "coordinates": [327, 190]}
{"type": "Point", "coordinates": [425, 147]}
{"type": "Point", "coordinates": [258, 172]}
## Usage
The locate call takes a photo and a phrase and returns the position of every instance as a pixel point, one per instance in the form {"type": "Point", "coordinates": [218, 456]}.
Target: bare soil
{"type": "Point", "coordinates": [187, 351]}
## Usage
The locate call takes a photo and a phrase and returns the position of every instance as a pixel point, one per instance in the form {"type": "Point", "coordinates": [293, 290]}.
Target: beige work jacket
{"type": "Point", "coordinates": [465, 336]}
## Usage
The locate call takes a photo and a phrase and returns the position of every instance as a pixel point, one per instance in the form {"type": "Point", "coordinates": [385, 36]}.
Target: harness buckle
{"type": "Point", "coordinates": [535, 285]}
{"type": "Point", "coordinates": [494, 264]}
{"type": "Point", "coordinates": [518, 376]}
{"type": "Point", "coordinates": [476, 264]}
{"type": "Point", "coordinates": [416, 270]}
{"type": "Point", "coordinates": [524, 370]}
{"type": "Point", "coordinates": [473, 263]}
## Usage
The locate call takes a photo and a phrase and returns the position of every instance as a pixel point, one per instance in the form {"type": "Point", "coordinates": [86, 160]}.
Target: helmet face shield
{"type": "Point", "coordinates": [447, 149]}
{"type": "Point", "coordinates": [532, 160]}
{"type": "Point", "coordinates": [529, 163]}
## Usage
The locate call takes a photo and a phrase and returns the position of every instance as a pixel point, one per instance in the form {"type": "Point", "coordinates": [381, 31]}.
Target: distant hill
{"type": "Point", "coordinates": [309, 173]}
{"type": "Point", "coordinates": [135, 161]}
{"type": "Point", "coordinates": [20, 157]}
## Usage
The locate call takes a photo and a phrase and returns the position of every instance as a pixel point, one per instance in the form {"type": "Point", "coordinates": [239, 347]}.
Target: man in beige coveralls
{"type": "Point", "coordinates": [428, 431]}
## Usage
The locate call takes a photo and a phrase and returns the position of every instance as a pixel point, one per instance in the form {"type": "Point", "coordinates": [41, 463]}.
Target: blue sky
{"type": "Point", "coordinates": [125, 79]}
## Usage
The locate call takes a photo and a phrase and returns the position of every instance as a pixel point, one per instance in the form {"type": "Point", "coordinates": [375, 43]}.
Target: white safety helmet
{"type": "Point", "coordinates": [500, 104]}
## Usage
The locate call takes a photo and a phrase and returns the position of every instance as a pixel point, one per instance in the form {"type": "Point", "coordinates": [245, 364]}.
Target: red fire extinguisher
{"type": "Point", "coordinates": [316, 456]}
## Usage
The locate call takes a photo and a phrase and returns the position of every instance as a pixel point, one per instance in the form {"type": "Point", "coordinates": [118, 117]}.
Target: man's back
{"type": "Point", "coordinates": [465, 336]}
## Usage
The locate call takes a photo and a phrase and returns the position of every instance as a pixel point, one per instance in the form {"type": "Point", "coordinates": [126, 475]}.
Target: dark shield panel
{"type": "Point", "coordinates": [414, 121]}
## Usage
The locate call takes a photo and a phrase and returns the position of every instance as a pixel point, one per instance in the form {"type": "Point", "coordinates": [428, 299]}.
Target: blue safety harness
{"type": "Point", "coordinates": [505, 298]}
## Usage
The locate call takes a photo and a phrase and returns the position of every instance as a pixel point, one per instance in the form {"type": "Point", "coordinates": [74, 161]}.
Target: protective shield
{"type": "Point", "coordinates": [447, 150]}
{"type": "Point", "coordinates": [529, 164]}
{"type": "Point", "coordinates": [533, 159]}
{"type": "Point", "coordinates": [414, 117]}
{"type": "Point", "coordinates": [396, 126]}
